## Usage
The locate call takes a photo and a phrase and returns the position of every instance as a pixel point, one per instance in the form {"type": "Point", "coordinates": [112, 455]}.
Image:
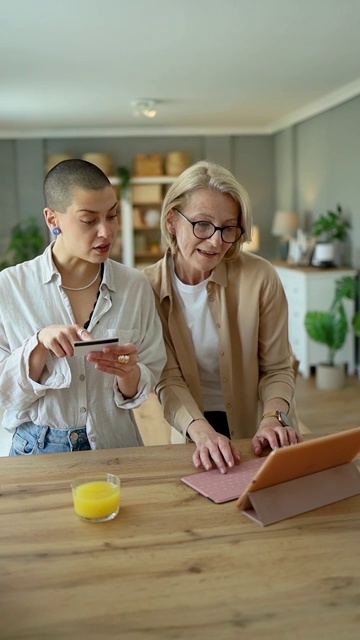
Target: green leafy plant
{"type": "Point", "coordinates": [356, 324]}
{"type": "Point", "coordinates": [26, 242]}
{"type": "Point", "coordinates": [331, 327]}
{"type": "Point", "coordinates": [124, 177]}
{"type": "Point", "coordinates": [331, 225]}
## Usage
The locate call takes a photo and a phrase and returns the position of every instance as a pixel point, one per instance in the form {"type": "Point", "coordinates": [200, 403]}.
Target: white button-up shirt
{"type": "Point", "coordinates": [71, 392]}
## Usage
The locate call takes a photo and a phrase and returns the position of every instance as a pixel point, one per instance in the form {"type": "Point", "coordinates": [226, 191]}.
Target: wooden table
{"type": "Point", "coordinates": [172, 564]}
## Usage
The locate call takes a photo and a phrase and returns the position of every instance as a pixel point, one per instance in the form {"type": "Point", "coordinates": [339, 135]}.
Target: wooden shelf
{"type": "Point", "coordinates": [148, 254]}
{"type": "Point", "coordinates": [144, 180]}
{"type": "Point", "coordinates": [145, 192]}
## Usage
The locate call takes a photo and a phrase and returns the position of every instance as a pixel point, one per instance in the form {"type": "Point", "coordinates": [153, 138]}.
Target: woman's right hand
{"type": "Point", "coordinates": [60, 338]}
{"type": "Point", "coordinates": [212, 447]}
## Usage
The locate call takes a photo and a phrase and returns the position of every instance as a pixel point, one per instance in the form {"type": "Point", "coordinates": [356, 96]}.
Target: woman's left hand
{"type": "Point", "coordinates": [119, 360]}
{"type": "Point", "coordinates": [274, 436]}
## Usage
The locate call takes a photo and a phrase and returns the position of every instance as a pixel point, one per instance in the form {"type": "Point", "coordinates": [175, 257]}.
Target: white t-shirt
{"type": "Point", "coordinates": [194, 305]}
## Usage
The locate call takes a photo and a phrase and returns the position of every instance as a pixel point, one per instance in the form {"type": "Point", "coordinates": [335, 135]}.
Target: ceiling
{"type": "Point", "coordinates": [73, 67]}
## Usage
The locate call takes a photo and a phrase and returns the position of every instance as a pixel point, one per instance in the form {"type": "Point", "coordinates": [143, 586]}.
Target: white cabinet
{"type": "Point", "coordinates": [140, 215]}
{"type": "Point", "coordinates": [312, 289]}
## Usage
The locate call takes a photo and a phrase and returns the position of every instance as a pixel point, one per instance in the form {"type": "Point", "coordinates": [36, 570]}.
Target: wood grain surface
{"type": "Point", "coordinates": [172, 565]}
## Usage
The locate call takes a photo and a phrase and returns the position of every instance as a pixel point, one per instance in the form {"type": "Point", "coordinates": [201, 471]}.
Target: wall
{"type": "Point", "coordinates": [317, 166]}
{"type": "Point", "coordinates": [21, 177]}
{"type": "Point", "coordinates": [22, 169]}
{"type": "Point", "coordinates": [8, 190]}
{"type": "Point", "coordinates": [253, 165]}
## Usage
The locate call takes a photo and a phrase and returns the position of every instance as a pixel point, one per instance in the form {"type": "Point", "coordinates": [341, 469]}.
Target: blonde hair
{"type": "Point", "coordinates": [206, 175]}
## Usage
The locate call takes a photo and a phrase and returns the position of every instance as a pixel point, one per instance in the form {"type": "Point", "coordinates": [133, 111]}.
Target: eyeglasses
{"type": "Point", "coordinates": [204, 230]}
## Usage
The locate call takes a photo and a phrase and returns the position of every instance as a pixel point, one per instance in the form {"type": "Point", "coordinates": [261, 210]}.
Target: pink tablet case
{"type": "Point", "coordinates": [288, 499]}
{"type": "Point", "coordinates": [224, 487]}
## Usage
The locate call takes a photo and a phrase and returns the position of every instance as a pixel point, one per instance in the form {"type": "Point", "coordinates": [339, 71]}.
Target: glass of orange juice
{"type": "Point", "coordinates": [96, 499]}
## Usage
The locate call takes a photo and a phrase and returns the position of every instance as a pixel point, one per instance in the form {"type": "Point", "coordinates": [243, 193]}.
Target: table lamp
{"type": "Point", "coordinates": [285, 224]}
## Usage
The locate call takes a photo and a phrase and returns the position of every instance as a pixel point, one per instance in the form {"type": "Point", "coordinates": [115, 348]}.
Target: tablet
{"type": "Point", "coordinates": [279, 466]}
{"type": "Point", "coordinates": [83, 347]}
{"type": "Point", "coordinates": [303, 459]}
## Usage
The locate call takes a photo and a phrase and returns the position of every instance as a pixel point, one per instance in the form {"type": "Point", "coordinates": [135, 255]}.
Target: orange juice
{"type": "Point", "coordinates": [97, 500]}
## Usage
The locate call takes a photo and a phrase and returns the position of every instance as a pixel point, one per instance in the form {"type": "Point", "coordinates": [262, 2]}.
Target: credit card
{"type": "Point", "coordinates": [83, 347]}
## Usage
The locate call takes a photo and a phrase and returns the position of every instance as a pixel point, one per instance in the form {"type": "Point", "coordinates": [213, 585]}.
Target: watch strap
{"type": "Point", "coordinates": [277, 415]}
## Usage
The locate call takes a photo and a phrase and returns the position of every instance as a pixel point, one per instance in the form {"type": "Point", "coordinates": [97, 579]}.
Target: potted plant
{"type": "Point", "coordinates": [331, 329]}
{"type": "Point", "coordinates": [124, 178]}
{"type": "Point", "coordinates": [26, 242]}
{"type": "Point", "coordinates": [329, 228]}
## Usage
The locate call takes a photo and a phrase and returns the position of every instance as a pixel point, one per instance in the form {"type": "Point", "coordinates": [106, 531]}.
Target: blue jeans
{"type": "Point", "coordinates": [29, 438]}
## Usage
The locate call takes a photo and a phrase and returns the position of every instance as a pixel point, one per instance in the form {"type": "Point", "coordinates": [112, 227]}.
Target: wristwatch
{"type": "Point", "coordinates": [280, 415]}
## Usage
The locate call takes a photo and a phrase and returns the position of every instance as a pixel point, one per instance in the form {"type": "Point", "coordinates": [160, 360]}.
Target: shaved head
{"type": "Point", "coordinates": [68, 175]}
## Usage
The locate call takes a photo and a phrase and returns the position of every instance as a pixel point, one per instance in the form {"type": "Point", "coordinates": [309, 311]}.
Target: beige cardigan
{"type": "Point", "coordinates": [249, 308]}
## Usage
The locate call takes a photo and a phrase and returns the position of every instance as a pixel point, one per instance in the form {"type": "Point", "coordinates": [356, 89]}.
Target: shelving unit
{"type": "Point", "coordinates": [141, 241]}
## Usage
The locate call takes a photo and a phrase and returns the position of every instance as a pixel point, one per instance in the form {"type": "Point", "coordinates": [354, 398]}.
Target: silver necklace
{"type": "Point", "coordinates": [86, 286]}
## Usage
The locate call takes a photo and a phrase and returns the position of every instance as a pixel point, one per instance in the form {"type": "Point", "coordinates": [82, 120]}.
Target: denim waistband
{"type": "Point", "coordinates": [31, 438]}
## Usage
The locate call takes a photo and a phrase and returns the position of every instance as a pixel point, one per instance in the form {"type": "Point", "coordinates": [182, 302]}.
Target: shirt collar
{"type": "Point", "coordinates": [218, 275]}
{"type": "Point", "coordinates": [50, 272]}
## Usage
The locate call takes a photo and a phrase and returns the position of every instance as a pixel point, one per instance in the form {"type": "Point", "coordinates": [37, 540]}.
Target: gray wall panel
{"type": "Point", "coordinates": [285, 191]}
{"type": "Point", "coordinates": [30, 176]}
{"type": "Point", "coordinates": [326, 167]}
{"type": "Point", "coordinates": [329, 166]}
{"type": "Point", "coordinates": [9, 212]}
{"type": "Point", "coordinates": [254, 168]}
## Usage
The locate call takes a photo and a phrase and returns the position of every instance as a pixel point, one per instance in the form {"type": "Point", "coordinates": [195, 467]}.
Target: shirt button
{"type": "Point", "coordinates": [233, 433]}
{"type": "Point", "coordinates": [82, 377]}
{"type": "Point", "coordinates": [222, 353]}
{"type": "Point", "coordinates": [225, 380]}
{"type": "Point", "coordinates": [228, 406]}
{"type": "Point", "coordinates": [218, 325]}
{"type": "Point", "coordinates": [93, 439]}
{"type": "Point", "coordinates": [83, 410]}
{"type": "Point", "coordinates": [211, 299]}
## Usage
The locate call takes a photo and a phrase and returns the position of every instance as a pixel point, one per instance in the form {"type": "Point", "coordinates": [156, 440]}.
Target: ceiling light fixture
{"type": "Point", "coordinates": [145, 107]}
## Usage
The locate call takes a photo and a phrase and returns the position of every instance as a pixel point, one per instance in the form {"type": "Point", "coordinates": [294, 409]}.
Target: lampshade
{"type": "Point", "coordinates": [285, 224]}
{"type": "Point", "coordinates": [254, 244]}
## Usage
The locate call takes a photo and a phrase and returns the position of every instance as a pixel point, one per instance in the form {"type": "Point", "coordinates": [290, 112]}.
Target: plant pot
{"type": "Point", "coordinates": [324, 254]}
{"type": "Point", "coordinates": [330, 377]}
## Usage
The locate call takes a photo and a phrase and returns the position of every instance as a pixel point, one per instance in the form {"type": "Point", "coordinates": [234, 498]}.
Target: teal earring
{"type": "Point", "coordinates": [56, 231]}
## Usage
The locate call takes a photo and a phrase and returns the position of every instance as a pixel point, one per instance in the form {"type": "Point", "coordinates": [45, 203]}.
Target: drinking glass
{"type": "Point", "coordinates": [96, 498]}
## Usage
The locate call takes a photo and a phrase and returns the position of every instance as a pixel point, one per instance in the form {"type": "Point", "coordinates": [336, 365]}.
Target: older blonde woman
{"type": "Point", "coordinates": [225, 321]}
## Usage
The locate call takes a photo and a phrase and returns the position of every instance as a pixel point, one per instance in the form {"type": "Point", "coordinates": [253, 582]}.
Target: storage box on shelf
{"type": "Point", "coordinates": [148, 165]}
{"type": "Point", "coordinates": [140, 219]}
{"type": "Point", "coordinates": [308, 288]}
